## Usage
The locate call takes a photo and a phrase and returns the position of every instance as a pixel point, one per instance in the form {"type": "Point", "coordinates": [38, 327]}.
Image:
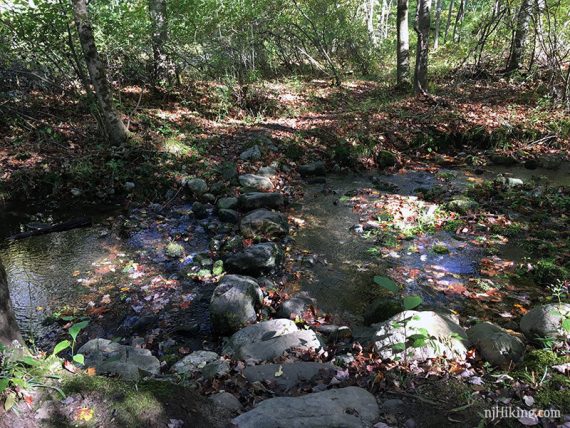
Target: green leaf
{"type": "Point", "coordinates": [566, 324]}
{"type": "Point", "coordinates": [29, 361]}
{"type": "Point", "coordinates": [411, 302]}
{"type": "Point", "coordinates": [79, 358]}
{"type": "Point", "coordinates": [64, 344]}
{"type": "Point", "coordinates": [387, 283]}
{"type": "Point", "coordinates": [10, 401]}
{"type": "Point", "coordinates": [4, 383]}
{"type": "Point", "coordinates": [399, 347]}
{"type": "Point", "coordinates": [76, 328]}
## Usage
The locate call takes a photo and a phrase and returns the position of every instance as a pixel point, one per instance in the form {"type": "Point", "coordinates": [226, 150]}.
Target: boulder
{"type": "Point", "coordinates": [234, 303]}
{"type": "Point", "coordinates": [287, 376]}
{"type": "Point", "coordinates": [228, 216]}
{"type": "Point", "coordinates": [295, 306]}
{"type": "Point", "coordinates": [426, 335]}
{"type": "Point", "coordinates": [256, 182]}
{"type": "Point", "coordinates": [264, 330]}
{"type": "Point", "coordinates": [255, 259]}
{"type": "Point", "coordinates": [255, 200]}
{"type": "Point", "coordinates": [226, 401]}
{"type": "Point", "coordinates": [344, 407]}
{"type": "Point", "coordinates": [386, 158]}
{"type": "Point", "coordinates": [462, 205]}
{"type": "Point", "coordinates": [194, 362]}
{"type": "Point", "coordinates": [197, 186]}
{"type": "Point", "coordinates": [495, 344]}
{"type": "Point", "coordinates": [228, 203]}
{"type": "Point", "coordinates": [200, 210]}
{"type": "Point", "coordinates": [546, 321]}
{"type": "Point", "coordinates": [113, 358]}
{"type": "Point", "coordinates": [267, 171]}
{"type": "Point", "coordinates": [264, 222]}
{"type": "Point", "coordinates": [253, 153]}
{"type": "Point", "coordinates": [269, 349]}
{"type": "Point", "coordinates": [313, 169]}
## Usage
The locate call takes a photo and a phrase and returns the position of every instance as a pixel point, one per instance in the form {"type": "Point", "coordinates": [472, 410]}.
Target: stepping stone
{"type": "Point", "coordinates": [264, 330]}
{"type": "Point", "coordinates": [287, 376]}
{"type": "Point", "coordinates": [256, 182]}
{"type": "Point", "coordinates": [255, 200]}
{"type": "Point", "coordinates": [113, 358]}
{"type": "Point", "coordinates": [263, 222]}
{"type": "Point", "coordinates": [255, 259]}
{"type": "Point", "coordinates": [345, 407]}
{"type": "Point", "coordinates": [266, 350]}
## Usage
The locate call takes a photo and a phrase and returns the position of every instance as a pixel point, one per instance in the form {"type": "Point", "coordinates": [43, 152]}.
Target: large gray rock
{"type": "Point", "coordinates": [253, 153]}
{"type": "Point", "coordinates": [255, 200]}
{"type": "Point", "coordinates": [194, 362]}
{"type": "Point", "coordinates": [264, 222]}
{"type": "Point", "coordinates": [197, 186]}
{"type": "Point", "coordinates": [256, 182]}
{"type": "Point", "coordinates": [346, 407]}
{"type": "Point", "coordinates": [295, 306]}
{"type": "Point", "coordinates": [234, 303]}
{"type": "Point", "coordinates": [228, 216]}
{"type": "Point", "coordinates": [267, 171]}
{"type": "Point", "coordinates": [495, 344]}
{"type": "Point", "coordinates": [313, 169]}
{"type": "Point", "coordinates": [228, 203]}
{"type": "Point", "coordinates": [546, 322]}
{"type": "Point", "coordinates": [259, 332]}
{"type": "Point", "coordinates": [266, 350]}
{"type": "Point", "coordinates": [227, 401]}
{"type": "Point", "coordinates": [287, 376]}
{"type": "Point", "coordinates": [255, 259]}
{"type": "Point", "coordinates": [113, 358]}
{"type": "Point", "coordinates": [462, 205]}
{"type": "Point", "coordinates": [443, 336]}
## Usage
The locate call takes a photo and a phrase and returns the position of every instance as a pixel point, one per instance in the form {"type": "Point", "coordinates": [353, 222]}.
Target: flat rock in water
{"type": "Point", "coordinates": [495, 344]}
{"type": "Point", "coordinates": [345, 407]}
{"type": "Point", "coordinates": [255, 259]}
{"type": "Point", "coordinates": [228, 203]}
{"type": "Point", "coordinates": [234, 303]}
{"type": "Point", "coordinates": [287, 376]}
{"type": "Point", "coordinates": [227, 401]}
{"type": "Point", "coordinates": [443, 336]}
{"type": "Point", "coordinates": [546, 321]}
{"type": "Point", "coordinates": [295, 306]}
{"type": "Point", "coordinates": [264, 222]}
{"type": "Point", "coordinates": [113, 358]}
{"type": "Point", "coordinates": [255, 200]}
{"type": "Point", "coordinates": [256, 182]}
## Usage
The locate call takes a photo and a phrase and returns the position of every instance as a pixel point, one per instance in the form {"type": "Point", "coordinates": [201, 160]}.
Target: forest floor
{"type": "Point", "coordinates": [52, 152]}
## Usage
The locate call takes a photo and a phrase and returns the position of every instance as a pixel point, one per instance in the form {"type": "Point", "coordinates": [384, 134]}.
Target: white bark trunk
{"type": "Point", "coordinates": [403, 41]}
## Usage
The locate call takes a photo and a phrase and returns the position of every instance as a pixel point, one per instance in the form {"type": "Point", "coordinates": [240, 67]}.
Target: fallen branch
{"type": "Point", "coordinates": [74, 223]}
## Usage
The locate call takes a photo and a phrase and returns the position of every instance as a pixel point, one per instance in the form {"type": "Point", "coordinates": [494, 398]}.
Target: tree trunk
{"type": "Point", "coordinates": [438, 8]}
{"type": "Point", "coordinates": [114, 127]}
{"type": "Point", "coordinates": [9, 330]}
{"type": "Point", "coordinates": [458, 20]}
{"type": "Point", "coordinates": [422, 30]}
{"type": "Point", "coordinates": [519, 38]}
{"type": "Point", "coordinates": [449, 13]}
{"type": "Point", "coordinates": [370, 22]}
{"type": "Point", "coordinates": [159, 26]}
{"type": "Point", "coordinates": [403, 40]}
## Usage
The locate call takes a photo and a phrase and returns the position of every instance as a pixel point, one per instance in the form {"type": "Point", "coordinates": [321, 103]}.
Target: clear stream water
{"type": "Point", "coordinates": [339, 269]}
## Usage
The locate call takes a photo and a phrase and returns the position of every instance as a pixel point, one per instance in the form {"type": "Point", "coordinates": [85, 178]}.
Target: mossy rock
{"type": "Point", "coordinates": [386, 158]}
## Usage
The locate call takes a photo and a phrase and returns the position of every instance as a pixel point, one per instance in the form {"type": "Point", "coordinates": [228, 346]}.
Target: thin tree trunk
{"type": "Point", "coordinates": [159, 26]}
{"type": "Point", "coordinates": [403, 41]}
{"type": "Point", "coordinates": [9, 330]}
{"type": "Point", "coordinates": [438, 8]}
{"type": "Point", "coordinates": [519, 38]}
{"type": "Point", "coordinates": [370, 22]}
{"type": "Point", "coordinates": [422, 50]}
{"type": "Point", "coordinates": [449, 13]}
{"type": "Point", "coordinates": [458, 20]}
{"type": "Point", "coordinates": [114, 126]}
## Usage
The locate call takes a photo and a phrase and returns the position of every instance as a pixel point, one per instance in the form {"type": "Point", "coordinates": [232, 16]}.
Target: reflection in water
{"type": "Point", "coordinates": [40, 273]}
